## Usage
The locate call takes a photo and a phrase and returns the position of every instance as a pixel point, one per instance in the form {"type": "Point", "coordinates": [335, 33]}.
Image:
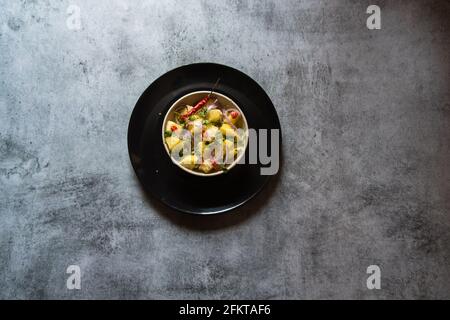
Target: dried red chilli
{"type": "Point", "coordinates": [197, 107]}
{"type": "Point", "coordinates": [200, 104]}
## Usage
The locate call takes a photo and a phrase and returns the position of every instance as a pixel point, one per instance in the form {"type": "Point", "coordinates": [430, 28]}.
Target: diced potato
{"type": "Point", "coordinates": [233, 115]}
{"type": "Point", "coordinates": [178, 149]}
{"type": "Point", "coordinates": [200, 148]}
{"type": "Point", "coordinates": [207, 152]}
{"type": "Point", "coordinates": [195, 127]}
{"type": "Point", "coordinates": [172, 126]}
{"type": "Point", "coordinates": [172, 142]}
{"type": "Point", "coordinates": [227, 130]}
{"type": "Point", "coordinates": [214, 115]}
{"type": "Point", "coordinates": [206, 166]}
{"type": "Point", "coordinates": [189, 161]}
{"type": "Point", "coordinates": [228, 146]}
{"type": "Point", "coordinates": [228, 151]}
{"type": "Point", "coordinates": [210, 133]}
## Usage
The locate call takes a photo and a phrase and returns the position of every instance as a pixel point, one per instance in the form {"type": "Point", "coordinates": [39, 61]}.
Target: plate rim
{"type": "Point", "coordinates": [230, 209]}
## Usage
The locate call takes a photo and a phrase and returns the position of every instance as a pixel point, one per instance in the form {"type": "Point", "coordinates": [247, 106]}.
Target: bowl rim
{"type": "Point", "coordinates": [235, 105]}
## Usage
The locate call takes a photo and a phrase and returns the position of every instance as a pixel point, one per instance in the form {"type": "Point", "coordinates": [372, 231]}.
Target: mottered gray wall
{"type": "Point", "coordinates": [365, 177]}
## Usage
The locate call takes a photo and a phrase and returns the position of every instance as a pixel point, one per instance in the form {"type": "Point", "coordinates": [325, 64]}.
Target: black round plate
{"type": "Point", "coordinates": [160, 177]}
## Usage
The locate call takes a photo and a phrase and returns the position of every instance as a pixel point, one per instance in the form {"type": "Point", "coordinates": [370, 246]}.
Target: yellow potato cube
{"type": "Point", "coordinates": [199, 148]}
{"type": "Point", "coordinates": [214, 115]}
{"type": "Point", "coordinates": [206, 166]}
{"type": "Point", "coordinates": [228, 146]}
{"type": "Point", "coordinates": [210, 133]}
{"type": "Point", "coordinates": [189, 161]}
{"type": "Point", "coordinates": [172, 142]}
{"type": "Point", "coordinates": [195, 127]}
{"type": "Point", "coordinates": [172, 126]}
{"type": "Point", "coordinates": [233, 115]}
{"type": "Point", "coordinates": [228, 151]}
{"type": "Point", "coordinates": [227, 130]}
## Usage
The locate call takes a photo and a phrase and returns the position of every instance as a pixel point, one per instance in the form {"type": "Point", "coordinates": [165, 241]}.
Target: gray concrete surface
{"type": "Point", "coordinates": [365, 177]}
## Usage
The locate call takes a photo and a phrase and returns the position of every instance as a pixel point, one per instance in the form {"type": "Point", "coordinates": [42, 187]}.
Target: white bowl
{"type": "Point", "coordinates": [192, 99]}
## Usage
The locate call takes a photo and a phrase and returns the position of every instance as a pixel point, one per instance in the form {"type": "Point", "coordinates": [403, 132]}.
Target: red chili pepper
{"type": "Point", "coordinates": [173, 128]}
{"type": "Point", "coordinates": [234, 114]}
{"type": "Point", "coordinates": [197, 107]}
{"type": "Point", "coordinates": [201, 103]}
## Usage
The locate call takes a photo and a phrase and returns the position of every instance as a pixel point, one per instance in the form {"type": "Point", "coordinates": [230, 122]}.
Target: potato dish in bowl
{"type": "Point", "coordinates": [205, 134]}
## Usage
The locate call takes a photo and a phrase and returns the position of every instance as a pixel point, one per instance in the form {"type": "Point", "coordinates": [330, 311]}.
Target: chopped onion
{"type": "Point", "coordinates": [214, 105]}
{"type": "Point", "coordinates": [228, 121]}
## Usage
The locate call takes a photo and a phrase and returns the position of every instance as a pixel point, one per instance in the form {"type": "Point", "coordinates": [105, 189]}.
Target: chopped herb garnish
{"type": "Point", "coordinates": [202, 112]}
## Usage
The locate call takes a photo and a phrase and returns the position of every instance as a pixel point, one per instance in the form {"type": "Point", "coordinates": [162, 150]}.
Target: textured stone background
{"type": "Point", "coordinates": [365, 178]}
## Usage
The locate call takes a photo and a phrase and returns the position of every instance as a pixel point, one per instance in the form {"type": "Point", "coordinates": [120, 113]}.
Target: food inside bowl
{"type": "Point", "coordinates": [207, 137]}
